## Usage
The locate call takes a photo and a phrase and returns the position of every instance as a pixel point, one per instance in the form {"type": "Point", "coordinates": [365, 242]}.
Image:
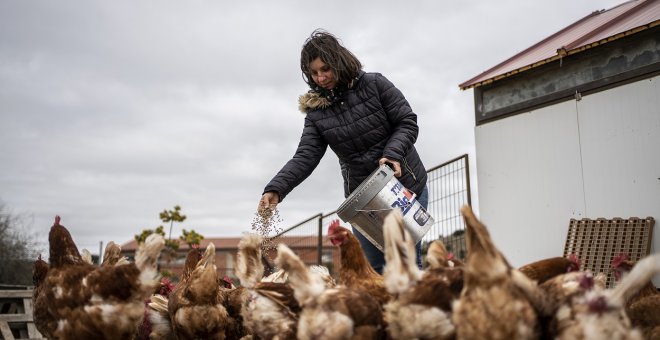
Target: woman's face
{"type": "Point", "coordinates": [322, 74]}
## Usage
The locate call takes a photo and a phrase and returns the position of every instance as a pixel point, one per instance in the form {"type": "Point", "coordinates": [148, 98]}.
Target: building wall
{"type": "Point", "coordinates": [594, 157]}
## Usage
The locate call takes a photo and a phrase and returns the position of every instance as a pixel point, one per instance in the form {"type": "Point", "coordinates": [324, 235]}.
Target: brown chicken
{"type": "Point", "coordinates": [543, 270]}
{"type": "Point", "coordinates": [335, 313]}
{"type": "Point", "coordinates": [159, 321]}
{"type": "Point", "coordinates": [600, 313]}
{"type": "Point", "coordinates": [112, 255]}
{"type": "Point", "coordinates": [277, 276]}
{"type": "Point", "coordinates": [39, 273]}
{"type": "Point", "coordinates": [437, 256]}
{"type": "Point", "coordinates": [643, 307]}
{"type": "Point", "coordinates": [233, 300]}
{"type": "Point", "coordinates": [77, 300]}
{"type": "Point", "coordinates": [155, 325]}
{"type": "Point", "coordinates": [196, 306]}
{"type": "Point", "coordinates": [270, 311]}
{"type": "Point", "coordinates": [86, 256]}
{"type": "Point", "coordinates": [355, 271]}
{"type": "Point", "coordinates": [491, 305]}
{"type": "Point", "coordinates": [422, 307]}
{"type": "Point", "coordinates": [560, 293]}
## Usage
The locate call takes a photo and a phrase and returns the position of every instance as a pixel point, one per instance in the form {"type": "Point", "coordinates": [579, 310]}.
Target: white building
{"type": "Point", "coordinates": [570, 128]}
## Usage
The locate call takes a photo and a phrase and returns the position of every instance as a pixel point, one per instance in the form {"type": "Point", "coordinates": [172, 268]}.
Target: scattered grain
{"type": "Point", "coordinates": [267, 224]}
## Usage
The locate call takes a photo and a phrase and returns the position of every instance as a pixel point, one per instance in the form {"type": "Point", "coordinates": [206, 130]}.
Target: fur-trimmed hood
{"type": "Point", "coordinates": [313, 100]}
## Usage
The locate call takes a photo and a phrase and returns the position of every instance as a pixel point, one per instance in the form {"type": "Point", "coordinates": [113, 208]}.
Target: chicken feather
{"type": "Point", "coordinates": [491, 305]}
{"type": "Point", "coordinates": [437, 256]}
{"type": "Point", "coordinates": [335, 313]}
{"type": "Point", "coordinates": [422, 307]}
{"type": "Point", "coordinates": [643, 307]}
{"type": "Point", "coordinates": [545, 269]}
{"type": "Point", "coordinates": [112, 255]}
{"type": "Point", "coordinates": [196, 305]}
{"type": "Point", "coordinates": [355, 271]}
{"type": "Point", "coordinates": [600, 313]}
{"type": "Point", "coordinates": [270, 311]}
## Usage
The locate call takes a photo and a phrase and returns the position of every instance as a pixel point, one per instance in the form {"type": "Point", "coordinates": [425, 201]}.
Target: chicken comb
{"type": "Point", "coordinates": [57, 220]}
{"type": "Point", "coordinates": [333, 225]}
{"type": "Point", "coordinates": [194, 246]}
{"type": "Point", "coordinates": [450, 256]}
{"type": "Point", "coordinates": [587, 281]}
{"type": "Point", "coordinates": [166, 287]}
{"type": "Point", "coordinates": [620, 263]}
{"type": "Point", "coordinates": [227, 282]}
{"type": "Point", "coordinates": [598, 304]}
{"type": "Point", "coordinates": [617, 260]}
{"type": "Point", "coordinates": [573, 258]}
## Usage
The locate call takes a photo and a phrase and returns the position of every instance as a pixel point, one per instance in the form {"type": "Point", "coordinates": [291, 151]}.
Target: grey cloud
{"type": "Point", "coordinates": [111, 112]}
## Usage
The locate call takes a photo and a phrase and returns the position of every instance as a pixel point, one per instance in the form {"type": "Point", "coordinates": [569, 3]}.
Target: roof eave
{"type": "Point", "coordinates": [560, 54]}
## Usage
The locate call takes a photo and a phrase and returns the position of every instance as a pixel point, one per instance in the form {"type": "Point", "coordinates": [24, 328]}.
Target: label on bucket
{"type": "Point", "coordinates": [405, 200]}
{"type": "Point", "coordinates": [421, 216]}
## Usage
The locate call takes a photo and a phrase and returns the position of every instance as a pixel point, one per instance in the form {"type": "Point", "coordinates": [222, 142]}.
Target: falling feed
{"type": "Point", "coordinates": [266, 223]}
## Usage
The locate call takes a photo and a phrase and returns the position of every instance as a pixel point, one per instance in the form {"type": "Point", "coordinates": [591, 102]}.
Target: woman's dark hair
{"type": "Point", "coordinates": [326, 46]}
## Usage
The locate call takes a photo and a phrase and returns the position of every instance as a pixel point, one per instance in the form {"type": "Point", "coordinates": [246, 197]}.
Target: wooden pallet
{"type": "Point", "coordinates": [597, 241]}
{"type": "Point", "coordinates": [16, 315]}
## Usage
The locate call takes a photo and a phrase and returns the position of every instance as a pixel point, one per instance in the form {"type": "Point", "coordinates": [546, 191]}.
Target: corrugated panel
{"type": "Point", "coordinates": [597, 242]}
{"type": "Point", "coordinates": [596, 28]}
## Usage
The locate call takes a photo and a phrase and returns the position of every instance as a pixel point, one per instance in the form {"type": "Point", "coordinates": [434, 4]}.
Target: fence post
{"type": "Point", "coordinates": [319, 246]}
{"type": "Point", "coordinates": [467, 179]}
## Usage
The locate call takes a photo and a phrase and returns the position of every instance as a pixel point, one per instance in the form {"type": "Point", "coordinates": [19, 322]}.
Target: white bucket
{"type": "Point", "coordinates": [374, 198]}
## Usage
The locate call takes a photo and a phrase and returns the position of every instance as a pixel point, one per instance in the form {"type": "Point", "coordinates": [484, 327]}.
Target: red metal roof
{"type": "Point", "coordinates": [595, 29]}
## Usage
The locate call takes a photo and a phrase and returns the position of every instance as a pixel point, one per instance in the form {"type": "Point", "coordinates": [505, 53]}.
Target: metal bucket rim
{"type": "Point", "coordinates": [364, 193]}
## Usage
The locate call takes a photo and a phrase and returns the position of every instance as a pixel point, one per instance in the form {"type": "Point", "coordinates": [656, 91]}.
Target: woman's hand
{"type": "Point", "coordinates": [268, 200]}
{"type": "Point", "coordinates": [393, 164]}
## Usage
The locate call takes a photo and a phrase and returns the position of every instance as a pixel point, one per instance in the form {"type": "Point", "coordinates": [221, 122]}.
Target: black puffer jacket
{"type": "Point", "coordinates": [372, 120]}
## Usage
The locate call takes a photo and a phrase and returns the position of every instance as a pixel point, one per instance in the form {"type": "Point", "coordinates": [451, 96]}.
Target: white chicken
{"type": "Point", "coordinates": [600, 313]}
{"type": "Point", "coordinates": [422, 307]}
{"type": "Point", "coordinates": [270, 311]}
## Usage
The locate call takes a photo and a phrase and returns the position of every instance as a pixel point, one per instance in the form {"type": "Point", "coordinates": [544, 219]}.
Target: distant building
{"type": "Point", "coordinates": [227, 248]}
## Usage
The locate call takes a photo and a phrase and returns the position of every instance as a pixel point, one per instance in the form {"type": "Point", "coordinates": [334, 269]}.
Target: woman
{"type": "Point", "coordinates": [364, 119]}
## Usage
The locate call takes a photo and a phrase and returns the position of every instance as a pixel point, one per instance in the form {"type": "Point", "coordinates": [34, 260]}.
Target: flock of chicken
{"type": "Point", "coordinates": [483, 298]}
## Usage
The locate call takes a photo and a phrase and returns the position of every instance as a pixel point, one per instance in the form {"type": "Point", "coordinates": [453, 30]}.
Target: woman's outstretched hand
{"type": "Point", "coordinates": [393, 164]}
{"type": "Point", "coordinates": [269, 200]}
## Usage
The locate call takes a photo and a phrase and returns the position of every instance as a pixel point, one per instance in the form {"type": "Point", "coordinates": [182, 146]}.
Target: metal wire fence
{"type": "Point", "coordinates": [449, 189]}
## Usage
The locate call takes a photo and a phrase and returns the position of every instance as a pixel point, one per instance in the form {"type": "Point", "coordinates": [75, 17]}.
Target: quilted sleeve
{"type": "Point", "coordinates": [401, 117]}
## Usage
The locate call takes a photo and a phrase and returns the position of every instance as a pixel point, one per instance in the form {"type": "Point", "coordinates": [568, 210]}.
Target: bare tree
{"type": "Point", "coordinates": [17, 249]}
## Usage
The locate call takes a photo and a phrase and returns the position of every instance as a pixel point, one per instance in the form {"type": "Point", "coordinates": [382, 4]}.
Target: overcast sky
{"type": "Point", "coordinates": [112, 111]}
